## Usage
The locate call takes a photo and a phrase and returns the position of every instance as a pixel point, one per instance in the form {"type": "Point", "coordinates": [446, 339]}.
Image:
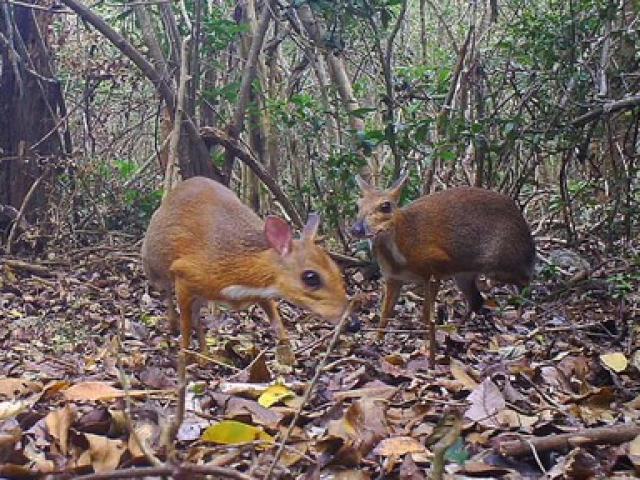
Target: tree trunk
{"type": "Point", "coordinates": [31, 105]}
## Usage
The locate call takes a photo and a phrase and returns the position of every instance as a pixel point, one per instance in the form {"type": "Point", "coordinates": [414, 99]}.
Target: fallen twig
{"type": "Point", "coordinates": [212, 360]}
{"type": "Point", "coordinates": [178, 418]}
{"type": "Point", "coordinates": [307, 394]}
{"type": "Point", "coordinates": [144, 448]}
{"type": "Point", "coordinates": [313, 344]}
{"type": "Point", "coordinates": [179, 471]}
{"type": "Point", "coordinates": [29, 267]}
{"type": "Point", "coordinates": [601, 435]}
{"type": "Point", "coordinates": [23, 208]}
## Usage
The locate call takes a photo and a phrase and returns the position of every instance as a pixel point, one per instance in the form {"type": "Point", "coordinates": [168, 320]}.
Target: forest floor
{"type": "Point", "coordinates": [75, 323]}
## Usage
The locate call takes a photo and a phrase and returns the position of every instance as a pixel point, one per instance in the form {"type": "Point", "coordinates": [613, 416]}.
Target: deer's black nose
{"type": "Point", "coordinates": [358, 230]}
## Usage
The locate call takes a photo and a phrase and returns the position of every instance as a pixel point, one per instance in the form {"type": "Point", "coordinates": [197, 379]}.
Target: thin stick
{"type": "Point", "coordinates": [23, 207]}
{"type": "Point", "coordinates": [171, 171]}
{"type": "Point", "coordinates": [611, 435]}
{"type": "Point", "coordinates": [166, 471]}
{"type": "Point", "coordinates": [307, 393]}
{"type": "Point", "coordinates": [149, 455]}
{"type": "Point", "coordinates": [174, 426]}
{"type": "Point", "coordinates": [536, 456]}
{"type": "Point", "coordinates": [313, 344]}
{"type": "Point", "coordinates": [212, 360]}
{"type": "Point", "coordinates": [395, 330]}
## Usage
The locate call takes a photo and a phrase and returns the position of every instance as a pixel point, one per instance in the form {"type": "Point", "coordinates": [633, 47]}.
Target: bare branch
{"type": "Point", "coordinates": [223, 138]}
{"type": "Point", "coordinates": [171, 173]}
{"type": "Point", "coordinates": [248, 76]}
{"type": "Point", "coordinates": [608, 107]}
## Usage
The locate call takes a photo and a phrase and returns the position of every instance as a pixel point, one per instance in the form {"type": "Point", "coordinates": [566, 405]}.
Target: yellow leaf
{"type": "Point", "coordinates": [274, 394]}
{"type": "Point", "coordinates": [231, 432]}
{"type": "Point", "coordinates": [615, 361]}
{"type": "Point", "coordinates": [294, 453]}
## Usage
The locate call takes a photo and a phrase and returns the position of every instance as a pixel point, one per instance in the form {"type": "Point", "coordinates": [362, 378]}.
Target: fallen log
{"type": "Point", "coordinates": [589, 436]}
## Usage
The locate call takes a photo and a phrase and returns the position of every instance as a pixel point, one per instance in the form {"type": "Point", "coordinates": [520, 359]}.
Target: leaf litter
{"type": "Point", "coordinates": [567, 363]}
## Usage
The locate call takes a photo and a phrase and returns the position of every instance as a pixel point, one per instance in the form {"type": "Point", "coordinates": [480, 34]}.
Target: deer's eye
{"type": "Point", "coordinates": [311, 279]}
{"type": "Point", "coordinates": [385, 207]}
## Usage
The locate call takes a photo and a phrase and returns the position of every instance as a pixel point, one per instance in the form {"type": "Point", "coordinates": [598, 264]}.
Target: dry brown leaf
{"type": "Point", "coordinates": [146, 433]}
{"type": "Point", "coordinates": [398, 446]}
{"type": "Point", "coordinates": [259, 372]}
{"type": "Point", "coordinates": [409, 470]}
{"type": "Point", "coordinates": [383, 391]}
{"type": "Point", "coordinates": [508, 418]}
{"type": "Point", "coordinates": [486, 401]}
{"type": "Point", "coordinates": [155, 377]}
{"type": "Point", "coordinates": [634, 404]}
{"type": "Point", "coordinates": [12, 408]}
{"type": "Point", "coordinates": [100, 391]}
{"type": "Point", "coordinates": [58, 424]}
{"type": "Point", "coordinates": [459, 372]}
{"type": "Point", "coordinates": [634, 446]}
{"type": "Point", "coordinates": [243, 409]}
{"type": "Point", "coordinates": [38, 458]}
{"type": "Point", "coordinates": [105, 453]}
{"type": "Point", "coordinates": [92, 391]}
{"type": "Point", "coordinates": [15, 387]}
{"type": "Point", "coordinates": [294, 454]}
{"type": "Point", "coordinates": [355, 434]}
{"type": "Point", "coordinates": [54, 387]}
{"type": "Point", "coordinates": [352, 475]}
{"type": "Point", "coordinates": [634, 452]}
{"type": "Point", "coordinates": [8, 441]}
{"type": "Point", "coordinates": [582, 464]}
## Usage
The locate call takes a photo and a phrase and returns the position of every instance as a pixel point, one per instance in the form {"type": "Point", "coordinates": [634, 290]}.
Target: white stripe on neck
{"type": "Point", "coordinates": [240, 292]}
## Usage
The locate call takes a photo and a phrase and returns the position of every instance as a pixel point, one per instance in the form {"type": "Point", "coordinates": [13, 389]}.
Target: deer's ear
{"type": "Point", "coordinates": [395, 190]}
{"type": "Point", "coordinates": [278, 234]}
{"type": "Point", "coordinates": [364, 186]}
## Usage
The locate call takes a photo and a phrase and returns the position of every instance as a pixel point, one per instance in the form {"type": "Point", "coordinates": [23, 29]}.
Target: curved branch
{"type": "Point", "coordinates": [149, 71]}
{"type": "Point", "coordinates": [232, 146]}
{"type": "Point", "coordinates": [126, 48]}
{"type": "Point", "coordinates": [613, 106]}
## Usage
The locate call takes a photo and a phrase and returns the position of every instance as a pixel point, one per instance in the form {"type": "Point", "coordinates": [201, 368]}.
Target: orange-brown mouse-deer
{"type": "Point", "coordinates": [204, 244]}
{"type": "Point", "coordinates": [461, 232]}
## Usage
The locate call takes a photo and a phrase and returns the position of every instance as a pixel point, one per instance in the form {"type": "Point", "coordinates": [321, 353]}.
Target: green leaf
{"type": "Point", "coordinates": [361, 112]}
{"type": "Point", "coordinates": [447, 155]}
{"type": "Point", "coordinates": [457, 453]}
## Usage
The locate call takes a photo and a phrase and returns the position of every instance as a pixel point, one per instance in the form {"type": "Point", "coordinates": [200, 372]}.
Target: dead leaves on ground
{"type": "Point", "coordinates": [378, 410]}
